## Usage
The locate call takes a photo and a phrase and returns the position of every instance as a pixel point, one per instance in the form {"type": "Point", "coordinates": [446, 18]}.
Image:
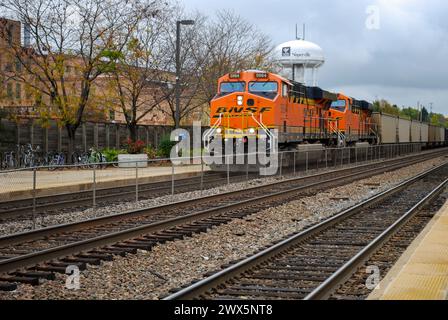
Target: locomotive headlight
{"type": "Point", "coordinates": [219, 130]}
{"type": "Point", "coordinates": [251, 130]}
{"type": "Point", "coordinates": [239, 100]}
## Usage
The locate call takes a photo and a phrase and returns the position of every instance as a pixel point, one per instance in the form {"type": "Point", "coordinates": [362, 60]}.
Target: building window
{"type": "Point", "coordinates": [8, 67]}
{"type": "Point", "coordinates": [9, 90]}
{"type": "Point", "coordinates": [28, 92]}
{"type": "Point", "coordinates": [18, 91]}
{"type": "Point", "coordinates": [18, 65]}
{"type": "Point", "coordinates": [10, 32]}
{"type": "Point", "coordinates": [112, 115]}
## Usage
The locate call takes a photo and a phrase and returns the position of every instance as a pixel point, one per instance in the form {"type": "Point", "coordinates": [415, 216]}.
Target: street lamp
{"type": "Point", "coordinates": [178, 67]}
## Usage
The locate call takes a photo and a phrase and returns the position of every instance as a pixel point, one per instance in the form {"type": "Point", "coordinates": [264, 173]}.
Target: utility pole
{"type": "Point", "coordinates": [178, 68]}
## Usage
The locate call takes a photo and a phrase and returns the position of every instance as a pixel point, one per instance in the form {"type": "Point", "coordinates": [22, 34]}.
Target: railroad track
{"type": "Point", "coordinates": [30, 256]}
{"type": "Point", "coordinates": [314, 263]}
{"type": "Point", "coordinates": [54, 204]}
{"type": "Point", "coordinates": [385, 257]}
{"type": "Point", "coordinates": [58, 203]}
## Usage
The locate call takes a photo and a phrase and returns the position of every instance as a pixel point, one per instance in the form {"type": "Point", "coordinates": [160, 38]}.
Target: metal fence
{"type": "Point", "coordinates": [32, 183]}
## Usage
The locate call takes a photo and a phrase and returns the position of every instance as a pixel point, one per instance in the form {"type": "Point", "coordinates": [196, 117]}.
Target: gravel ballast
{"type": "Point", "coordinates": [150, 275]}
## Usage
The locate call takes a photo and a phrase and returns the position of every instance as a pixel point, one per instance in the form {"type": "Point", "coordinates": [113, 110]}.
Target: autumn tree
{"type": "Point", "coordinates": [70, 42]}
{"type": "Point", "coordinates": [384, 106]}
{"type": "Point", "coordinates": [138, 74]}
{"type": "Point", "coordinates": [209, 49]}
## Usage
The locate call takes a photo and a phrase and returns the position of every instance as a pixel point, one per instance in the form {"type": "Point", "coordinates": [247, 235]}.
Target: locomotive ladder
{"type": "Point", "coordinates": [341, 136]}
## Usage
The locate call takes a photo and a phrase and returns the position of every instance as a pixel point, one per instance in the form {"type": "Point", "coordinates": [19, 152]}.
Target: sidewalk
{"type": "Point", "coordinates": [17, 185]}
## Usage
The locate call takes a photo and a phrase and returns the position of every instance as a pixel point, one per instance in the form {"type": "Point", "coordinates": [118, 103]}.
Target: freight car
{"type": "Point", "coordinates": [395, 129]}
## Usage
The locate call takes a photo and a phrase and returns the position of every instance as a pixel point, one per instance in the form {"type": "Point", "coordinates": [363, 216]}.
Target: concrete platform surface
{"type": "Point", "coordinates": [17, 185]}
{"type": "Point", "coordinates": [421, 273]}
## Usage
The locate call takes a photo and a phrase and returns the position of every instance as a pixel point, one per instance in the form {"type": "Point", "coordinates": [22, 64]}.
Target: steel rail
{"type": "Point", "coordinates": [80, 225]}
{"type": "Point", "coordinates": [343, 273]}
{"type": "Point", "coordinates": [239, 268]}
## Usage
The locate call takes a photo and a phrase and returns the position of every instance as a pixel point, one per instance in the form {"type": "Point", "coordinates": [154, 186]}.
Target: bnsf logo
{"type": "Point", "coordinates": [242, 109]}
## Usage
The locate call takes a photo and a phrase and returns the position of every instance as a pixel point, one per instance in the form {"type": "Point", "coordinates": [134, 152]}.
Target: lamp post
{"type": "Point", "coordinates": [178, 67]}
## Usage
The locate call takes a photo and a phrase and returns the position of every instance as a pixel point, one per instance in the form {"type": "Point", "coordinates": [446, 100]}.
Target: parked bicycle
{"type": "Point", "coordinates": [89, 160]}
{"type": "Point", "coordinates": [58, 160]}
{"type": "Point", "coordinates": [9, 161]}
{"type": "Point", "coordinates": [26, 156]}
{"type": "Point", "coordinates": [31, 157]}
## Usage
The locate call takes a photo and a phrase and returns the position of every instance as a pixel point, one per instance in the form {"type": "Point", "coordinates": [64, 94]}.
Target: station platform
{"type": "Point", "coordinates": [19, 184]}
{"type": "Point", "coordinates": [421, 273]}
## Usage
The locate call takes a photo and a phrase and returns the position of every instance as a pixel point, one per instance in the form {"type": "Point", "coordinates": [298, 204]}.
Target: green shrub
{"type": "Point", "coordinates": [165, 147]}
{"type": "Point", "coordinates": [151, 152]}
{"type": "Point", "coordinates": [112, 154]}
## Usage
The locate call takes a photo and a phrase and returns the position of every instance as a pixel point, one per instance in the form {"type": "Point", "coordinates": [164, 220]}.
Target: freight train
{"type": "Point", "coordinates": [250, 104]}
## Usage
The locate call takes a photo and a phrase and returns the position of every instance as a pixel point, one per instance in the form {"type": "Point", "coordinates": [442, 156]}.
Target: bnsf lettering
{"type": "Point", "coordinates": [241, 109]}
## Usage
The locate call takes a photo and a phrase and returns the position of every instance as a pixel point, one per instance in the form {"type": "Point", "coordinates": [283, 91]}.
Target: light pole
{"type": "Point", "coordinates": [178, 67]}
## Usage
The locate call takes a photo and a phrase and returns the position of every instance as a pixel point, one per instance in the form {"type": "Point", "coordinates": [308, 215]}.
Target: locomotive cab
{"type": "Point", "coordinates": [244, 106]}
{"type": "Point", "coordinates": [351, 118]}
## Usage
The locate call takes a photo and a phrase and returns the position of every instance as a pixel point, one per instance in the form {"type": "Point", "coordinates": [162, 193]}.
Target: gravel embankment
{"type": "Point", "coordinates": [149, 275]}
{"type": "Point", "coordinates": [9, 227]}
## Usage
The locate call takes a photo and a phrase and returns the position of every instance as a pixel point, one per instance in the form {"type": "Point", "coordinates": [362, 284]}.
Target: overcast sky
{"type": "Point", "coordinates": [405, 60]}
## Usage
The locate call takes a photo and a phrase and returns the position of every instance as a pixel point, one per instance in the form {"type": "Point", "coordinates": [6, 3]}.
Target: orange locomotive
{"type": "Point", "coordinates": [352, 119]}
{"type": "Point", "coordinates": [252, 103]}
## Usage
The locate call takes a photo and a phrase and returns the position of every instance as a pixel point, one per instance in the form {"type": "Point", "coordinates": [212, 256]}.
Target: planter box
{"type": "Point", "coordinates": [125, 160]}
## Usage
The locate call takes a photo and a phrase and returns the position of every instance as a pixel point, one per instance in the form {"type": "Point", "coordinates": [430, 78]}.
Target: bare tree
{"type": "Point", "coordinates": [138, 76]}
{"type": "Point", "coordinates": [193, 56]}
{"type": "Point", "coordinates": [210, 49]}
{"type": "Point", "coordinates": [71, 41]}
{"type": "Point", "coordinates": [233, 45]}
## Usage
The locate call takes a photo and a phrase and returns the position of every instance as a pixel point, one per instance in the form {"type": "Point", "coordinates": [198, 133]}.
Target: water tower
{"type": "Point", "coordinates": [300, 60]}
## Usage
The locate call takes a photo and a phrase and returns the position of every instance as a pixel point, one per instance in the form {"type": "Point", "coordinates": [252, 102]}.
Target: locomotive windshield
{"type": "Point", "coordinates": [264, 89]}
{"type": "Point", "coordinates": [339, 105]}
{"type": "Point", "coordinates": [230, 87]}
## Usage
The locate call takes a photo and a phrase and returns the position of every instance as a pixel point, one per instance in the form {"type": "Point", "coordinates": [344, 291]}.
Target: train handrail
{"type": "Point", "coordinates": [266, 130]}
{"type": "Point", "coordinates": [210, 132]}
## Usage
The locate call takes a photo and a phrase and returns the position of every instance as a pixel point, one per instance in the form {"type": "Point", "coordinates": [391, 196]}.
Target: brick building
{"type": "Point", "coordinates": [19, 99]}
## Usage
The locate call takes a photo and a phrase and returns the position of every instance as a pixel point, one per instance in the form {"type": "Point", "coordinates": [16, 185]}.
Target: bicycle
{"type": "Point", "coordinates": [30, 156]}
{"type": "Point", "coordinates": [92, 159]}
{"type": "Point", "coordinates": [96, 158]}
{"type": "Point", "coordinates": [58, 160]}
{"type": "Point", "coordinates": [9, 161]}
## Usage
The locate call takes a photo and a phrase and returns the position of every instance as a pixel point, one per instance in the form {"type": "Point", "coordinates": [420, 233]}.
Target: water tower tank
{"type": "Point", "coordinates": [300, 60]}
